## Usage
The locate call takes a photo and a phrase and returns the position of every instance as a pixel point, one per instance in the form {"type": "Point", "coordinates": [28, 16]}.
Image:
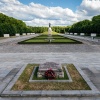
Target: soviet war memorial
{"type": "Point", "coordinates": [49, 49]}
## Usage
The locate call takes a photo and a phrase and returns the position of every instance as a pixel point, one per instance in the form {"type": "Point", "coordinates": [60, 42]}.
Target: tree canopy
{"type": "Point", "coordinates": [86, 26]}
{"type": "Point", "coordinates": [10, 25]}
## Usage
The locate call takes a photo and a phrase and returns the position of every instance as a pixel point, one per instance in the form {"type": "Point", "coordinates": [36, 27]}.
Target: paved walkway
{"type": "Point", "coordinates": [10, 46]}
{"type": "Point", "coordinates": [90, 63]}
{"type": "Point", "coordinates": [15, 56]}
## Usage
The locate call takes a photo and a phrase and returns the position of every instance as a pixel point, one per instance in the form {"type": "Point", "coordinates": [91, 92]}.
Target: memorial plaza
{"type": "Point", "coordinates": [14, 56]}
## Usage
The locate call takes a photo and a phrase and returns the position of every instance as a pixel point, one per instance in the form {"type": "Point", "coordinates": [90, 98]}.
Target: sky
{"type": "Point", "coordinates": [56, 12]}
{"type": "Point", "coordinates": [72, 4]}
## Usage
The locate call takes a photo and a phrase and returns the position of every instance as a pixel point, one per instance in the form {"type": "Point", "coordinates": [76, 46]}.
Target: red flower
{"type": "Point", "coordinates": [50, 74]}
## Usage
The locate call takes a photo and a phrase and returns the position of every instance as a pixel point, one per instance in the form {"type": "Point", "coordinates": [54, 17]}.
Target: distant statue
{"type": "Point", "coordinates": [49, 24]}
{"type": "Point", "coordinates": [49, 30]}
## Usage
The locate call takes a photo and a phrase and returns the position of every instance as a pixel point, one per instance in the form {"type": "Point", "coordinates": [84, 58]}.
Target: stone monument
{"type": "Point", "coordinates": [57, 68]}
{"type": "Point", "coordinates": [49, 30]}
{"type": "Point", "coordinates": [49, 38]}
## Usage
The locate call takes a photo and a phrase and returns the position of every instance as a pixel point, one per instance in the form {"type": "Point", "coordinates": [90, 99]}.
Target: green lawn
{"type": "Point", "coordinates": [46, 33]}
{"type": "Point", "coordinates": [43, 39]}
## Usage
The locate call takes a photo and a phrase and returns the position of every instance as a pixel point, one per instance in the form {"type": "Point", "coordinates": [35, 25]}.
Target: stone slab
{"type": "Point", "coordinates": [82, 34]}
{"type": "Point", "coordinates": [17, 34]}
{"type": "Point", "coordinates": [75, 33]}
{"type": "Point", "coordinates": [6, 35]}
{"type": "Point", "coordinates": [69, 78]}
{"type": "Point", "coordinates": [93, 34]}
{"type": "Point", "coordinates": [24, 34]}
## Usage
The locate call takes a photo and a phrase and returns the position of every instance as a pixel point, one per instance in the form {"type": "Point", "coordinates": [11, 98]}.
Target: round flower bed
{"type": "Point", "coordinates": [50, 74]}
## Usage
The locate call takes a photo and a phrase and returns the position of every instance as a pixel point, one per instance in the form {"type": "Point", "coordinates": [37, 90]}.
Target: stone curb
{"type": "Point", "coordinates": [5, 82]}
{"type": "Point", "coordinates": [80, 37]}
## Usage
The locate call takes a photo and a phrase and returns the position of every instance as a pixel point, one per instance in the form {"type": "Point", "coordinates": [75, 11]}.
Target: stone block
{"type": "Point", "coordinates": [71, 33]}
{"type": "Point", "coordinates": [66, 33]}
{"type": "Point", "coordinates": [32, 33]}
{"type": "Point", "coordinates": [39, 75]}
{"type": "Point", "coordinates": [51, 93]}
{"type": "Point", "coordinates": [75, 33]}
{"type": "Point", "coordinates": [57, 68]}
{"type": "Point", "coordinates": [24, 34]}
{"type": "Point", "coordinates": [6, 35]}
{"type": "Point", "coordinates": [31, 93]}
{"type": "Point", "coordinates": [71, 93]}
{"type": "Point", "coordinates": [17, 35]}
{"type": "Point", "coordinates": [28, 33]}
{"type": "Point", "coordinates": [11, 93]}
{"type": "Point", "coordinates": [93, 34]}
{"type": "Point", "coordinates": [82, 34]}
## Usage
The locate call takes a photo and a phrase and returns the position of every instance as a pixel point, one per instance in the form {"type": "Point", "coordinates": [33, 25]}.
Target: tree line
{"type": "Point", "coordinates": [86, 26]}
{"type": "Point", "coordinates": [10, 25]}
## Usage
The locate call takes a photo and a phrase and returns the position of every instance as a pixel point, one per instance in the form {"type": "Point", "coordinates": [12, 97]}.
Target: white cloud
{"type": "Point", "coordinates": [45, 22]}
{"type": "Point", "coordinates": [37, 14]}
{"type": "Point", "coordinates": [88, 9]}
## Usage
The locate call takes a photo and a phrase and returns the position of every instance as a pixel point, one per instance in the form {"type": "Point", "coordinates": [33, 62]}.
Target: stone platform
{"type": "Point", "coordinates": [57, 68]}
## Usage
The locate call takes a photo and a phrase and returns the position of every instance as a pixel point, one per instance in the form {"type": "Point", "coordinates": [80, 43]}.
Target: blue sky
{"type": "Point", "coordinates": [56, 12]}
{"type": "Point", "coordinates": [72, 4]}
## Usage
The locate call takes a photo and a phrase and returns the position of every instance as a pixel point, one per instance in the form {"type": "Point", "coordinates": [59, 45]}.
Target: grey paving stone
{"type": "Point", "coordinates": [66, 98]}
{"type": "Point", "coordinates": [94, 70]}
{"type": "Point", "coordinates": [11, 93]}
{"type": "Point", "coordinates": [89, 93]}
{"type": "Point", "coordinates": [49, 98]}
{"type": "Point", "coordinates": [2, 86]}
{"type": "Point", "coordinates": [7, 46]}
{"type": "Point", "coordinates": [51, 93]}
{"type": "Point", "coordinates": [88, 72]}
{"type": "Point", "coordinates": [44, 98]}
{"type": "Point", "coordinates": [97, 98]}
{"type": "Point", "coordinates": [87, 98]}
{"type": "Point", "coordinates": [7, 79]}
{"type": "Point", "coordinates": [18, 98]}
{"type": "Point", "coordinates": [95, 80]}
{"type": "Point", "coordinates": [97, 74]}
{"type": "Point", "coordinates": [14, 71]}
{"type": "Point", "coordinates": [97, 85]}
{"type": "Point", "coordinates": [71, 93]}
{"type": "Point", "coordinates": [31, 93]}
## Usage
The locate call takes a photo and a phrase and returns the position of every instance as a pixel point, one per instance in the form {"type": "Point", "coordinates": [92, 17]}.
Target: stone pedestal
{"type": "Point", "coordinates": [57, 68]}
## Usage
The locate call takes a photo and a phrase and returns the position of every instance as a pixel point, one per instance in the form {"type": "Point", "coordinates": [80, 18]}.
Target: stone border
{"type": "Point", "coordinates": [75, 37]}
{"type": "Point", "coordinates": [69, 78]}
{"type": "Point", "coordinates": [79, 93]}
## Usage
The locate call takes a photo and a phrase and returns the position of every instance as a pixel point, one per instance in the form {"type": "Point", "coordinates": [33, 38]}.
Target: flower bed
{"type": "Point", "coordinates": [50, 74]}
